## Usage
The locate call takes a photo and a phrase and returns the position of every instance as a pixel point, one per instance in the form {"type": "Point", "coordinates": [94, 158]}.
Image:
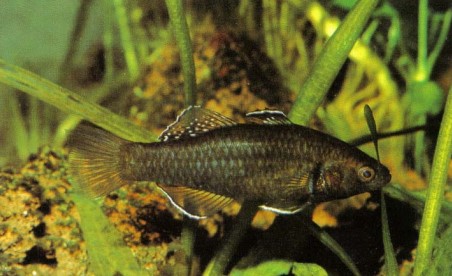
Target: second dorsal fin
{"type": "Point", "coordinates": [268, 117]}
{"type": "Point", "coordinates": [194, 121]}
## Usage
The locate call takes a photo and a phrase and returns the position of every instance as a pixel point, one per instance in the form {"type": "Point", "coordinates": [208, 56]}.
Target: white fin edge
{"type": "Point", "coordinates": [282, 211]}
{"type": "Point", "coordinates": [268, 117]}
{"type": "Point", "coordinates": [182, 210]}
{"type": "Point", "coordinates": [202, 121]}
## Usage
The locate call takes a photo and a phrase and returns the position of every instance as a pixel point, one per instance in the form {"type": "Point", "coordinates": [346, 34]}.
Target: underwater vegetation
{"type": "Point", "coordinates": [135, 65]}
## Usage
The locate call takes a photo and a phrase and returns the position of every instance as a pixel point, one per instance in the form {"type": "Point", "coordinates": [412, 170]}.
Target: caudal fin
{"type": "Point", "coordinates": [94, 160]}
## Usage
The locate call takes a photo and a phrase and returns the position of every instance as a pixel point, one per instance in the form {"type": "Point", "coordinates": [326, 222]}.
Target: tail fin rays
{"type": "Point", "coordinates": [94, 160]}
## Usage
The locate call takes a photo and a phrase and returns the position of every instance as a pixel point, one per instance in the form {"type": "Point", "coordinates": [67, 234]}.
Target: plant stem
{"type": "Point", "coordinates": [126, 39]}
{"type": "Point", "coordinates": [442, 38]}
{"type": "Point", "coordinates": [71, 102]}
{"type": "Point", "coordinates": [383, 135]}
{"type": "Point", "coordinates": [330, 243]}
{"type": "Point", "coordinates": [421, 70]}
{"type": "Point", "coordinates": [227, 249]}
{"type": "Point", "coordinates": [34, 125]}
{"type": "Point", "coordinates": [74, 40]}
{"type": "Point", "coordinates": [107, 38]}
{"type": "Point", "coordinates": [390, 259]}
{"type": "Point", "coordinates": [188, 237]}
{"type": "Point", "coordinates": [182, 35]}
{"type": "Point", "coordinates": [329, 62]}
{"type": "Point", "coordinates": [268, 33]}
{"type": "Point", "coordinates": [435, 191]}
{"type": "Point", "coordinates": [18, 130]}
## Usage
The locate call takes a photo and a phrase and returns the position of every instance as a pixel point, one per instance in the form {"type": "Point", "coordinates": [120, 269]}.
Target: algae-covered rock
{"type": "Point", "coordinates": [38, 221]}
{"type": "Point", "coordinates": [41, 230]}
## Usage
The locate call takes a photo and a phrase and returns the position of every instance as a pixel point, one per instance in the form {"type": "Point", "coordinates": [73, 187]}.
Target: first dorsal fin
{"type": "Point", "coordinates": [268, 117]}
{"type": "Point", "coordinates": [196, 204]}
{"type": "Point", "coordinates": [194, 121]}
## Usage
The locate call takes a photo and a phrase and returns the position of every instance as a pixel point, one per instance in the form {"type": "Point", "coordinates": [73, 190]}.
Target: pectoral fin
{"type": "Point", "coordinates": [300, 182]}
{"type": "Point", "coordinates": [196, 204]}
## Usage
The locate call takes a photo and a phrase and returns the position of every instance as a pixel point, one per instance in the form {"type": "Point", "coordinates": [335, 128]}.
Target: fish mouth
{"type": "Point", "coordinates": [388, 177]}
{"type": "Point", "coordinates": [386, 173]}
{"type": "Point", "coordinates": [384, 177]}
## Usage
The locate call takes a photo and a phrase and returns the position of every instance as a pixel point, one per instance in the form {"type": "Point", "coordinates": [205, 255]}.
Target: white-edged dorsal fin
{"type": "Point", "coordinates": [196, 204]}
{"type": "Point", "coordinates": [268, 117]}
{"type": "Point", "coordinates": [194, 121]}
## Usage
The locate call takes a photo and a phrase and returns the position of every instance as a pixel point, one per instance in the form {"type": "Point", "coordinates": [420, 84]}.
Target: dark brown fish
{"type": "Point", "coordinates": [205, 161]}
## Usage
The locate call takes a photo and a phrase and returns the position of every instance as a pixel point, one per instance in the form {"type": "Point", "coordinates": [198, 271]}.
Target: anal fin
{"type": "Point", "coordinates": [196, 204]}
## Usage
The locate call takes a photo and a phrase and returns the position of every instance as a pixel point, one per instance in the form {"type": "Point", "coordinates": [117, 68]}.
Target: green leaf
{"type": "Point", "coordinates": [441, 264]}
{"type": "Point", "coordinates": [372, 127]}
{"type": "Point", "coordinates": [280, 267]}
{"type": "Point", "coordinates": [330, 61]}
{"type": "Point", "coordinates": [108, 254]}
{"type": "Point", "coordinates": [391, 267]}
{"type": "Point", "coordinates": [179, 25]}
{"type": "Point", "coordinates": [71, 102]}
{"type": "Point", "coordinates": [435, 193]}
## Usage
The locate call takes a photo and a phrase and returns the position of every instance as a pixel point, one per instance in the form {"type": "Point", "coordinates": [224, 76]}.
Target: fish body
{"type": "Point", "coordinates": [205, 161]}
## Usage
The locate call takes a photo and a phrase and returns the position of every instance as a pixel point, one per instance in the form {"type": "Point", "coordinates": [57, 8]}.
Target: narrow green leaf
{"type": "Point", "coordinates": [421, 73]}
{"type": "Point", "coordinates": [19, 132]}
{"type": "Point", "coordinates": [108, 254]}
{"type": "Point", "coordinates": [229, 244]}
{"type": "Point", "coordinates": [71, 102]}
{"type": "Point", "coordinates": [372, 127]}
{"type": "Point", "coordinates": [281, 267]}
{"type": "Point", "coordinates": [442, 38]}
{"type": "Point", "coordinates": [180, 28]}
{"type": "Point", "coordinates": [390, 259]}
{"type": "Point", "coordinates": [34, 125]}
{"type": "Point", "coordinates": [330, 61]}
{"type": "Point", "coordinates": [329, 242]}
{"type": "Point", "coordinates": [127, 43]}
{"type": "Point", "coordinates": [441, 264]}
{"type": "Point", "coordinates": [435, 193]}
{"type": "Point", "coordinates": [182, 35]}
{"type": "Point", "coordinates": [391, 267]}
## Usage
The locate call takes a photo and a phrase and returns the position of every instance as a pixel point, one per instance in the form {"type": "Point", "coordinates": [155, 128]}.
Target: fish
{"type": "Point", "coordinates": [204, 161]}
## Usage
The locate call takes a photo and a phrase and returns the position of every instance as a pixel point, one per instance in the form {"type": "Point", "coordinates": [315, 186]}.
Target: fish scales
{"type": "Point", "coordinates": [205, 161]}
{"type": "Point", "coordinates": [234, 159]}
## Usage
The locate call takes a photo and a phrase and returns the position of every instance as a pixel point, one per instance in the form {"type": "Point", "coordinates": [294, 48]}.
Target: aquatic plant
{"type": "Point", "coordinates": [435, 194]}
{"type": "Point", "coordinates": [329, 62]}
{"type": "Point", "coordinates": [180, 29]}
{"type": "Point", "coordinates": [316, 85]}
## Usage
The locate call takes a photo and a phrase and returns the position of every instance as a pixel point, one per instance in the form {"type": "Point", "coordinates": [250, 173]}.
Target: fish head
{"type": "Point", "coordinates": [345, 178]}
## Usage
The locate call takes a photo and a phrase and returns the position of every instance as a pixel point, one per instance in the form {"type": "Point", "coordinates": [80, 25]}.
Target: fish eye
{"type": "Point", "coordinates": [366, 173]}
